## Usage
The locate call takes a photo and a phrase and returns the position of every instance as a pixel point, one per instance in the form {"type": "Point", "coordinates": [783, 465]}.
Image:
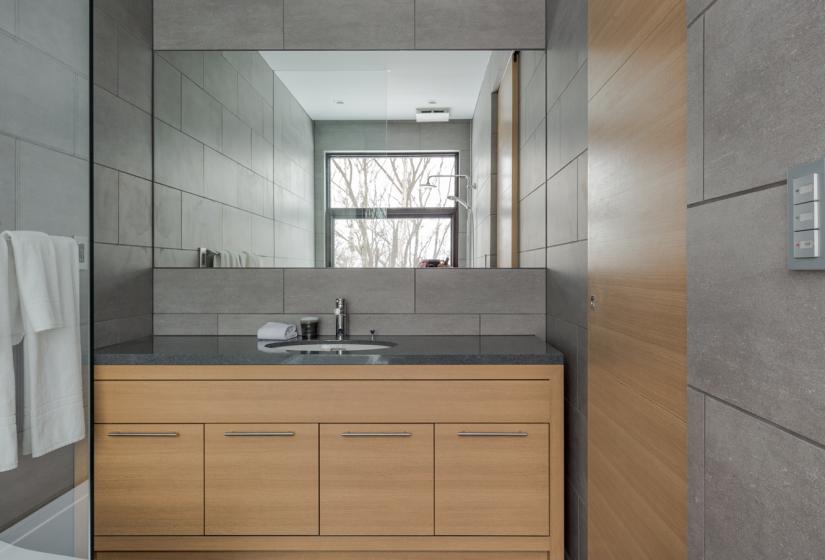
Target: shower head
{"type": "Point", "coordinates": [458, 201]}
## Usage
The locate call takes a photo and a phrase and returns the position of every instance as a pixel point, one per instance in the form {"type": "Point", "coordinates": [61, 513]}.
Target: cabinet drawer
{"type": "Point", "coordinates": [376, 479]}
{"type": "Point", "coordinates": [148, 479]}
{"type": "Point", "coordinates": [262, 479]}
{"type": "Point", "coordinates": [492, 479]}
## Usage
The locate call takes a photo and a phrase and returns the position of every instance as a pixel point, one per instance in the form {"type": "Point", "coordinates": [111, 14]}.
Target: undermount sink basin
{"type": "Point", "coordinates": [327, 346]}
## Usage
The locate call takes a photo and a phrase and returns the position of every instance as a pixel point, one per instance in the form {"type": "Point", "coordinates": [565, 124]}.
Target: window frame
{"type": "Point", "coordinates": [331, 214]}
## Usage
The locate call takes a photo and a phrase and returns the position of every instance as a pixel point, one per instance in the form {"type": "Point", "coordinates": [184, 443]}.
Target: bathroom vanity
{"type": "Point", "coordinates": [436, 448]}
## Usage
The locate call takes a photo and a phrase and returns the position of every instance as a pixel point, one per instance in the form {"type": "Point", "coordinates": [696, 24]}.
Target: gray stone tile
{"type": "Point", "coordinates": [503, 324]}
{"type": "Point", "coordinates": [219, 25]}
{"type": "Point", "coordinates": [254, 193]}
{"type": "Point", "coordinates": [38, 104]}
{"type": "Point", "coordinates": [532, 221]}
{"type": "Point", "coordinates": [763, 107]}
{"type": "Point", "coordinates": [175, 258]}
{"type": "Point", "coordinates": [167, 92]}
{"type": "Point", "coordinates": [106, 204]}
{"type": "Point", "coordinates": [135, 216]}
{"type": "Point", "coordinates": [349, 24]}
{"type": "Point", "coordinates": [200, 223]}
{"type": "Point", "coordinates": [59, 27]}
{"type": "Point", "coordinates": [413, 324]}
{"type": "Point", "coordinates": [219, 291]}
{"type": "Point", "coordinates": [533, 259]}
{"type": "Point", "coordinates": [366, 291]}
{"type": "Point", "coordinates": [746, 313]}
{"type": "Point", "coordinates": [134, 15]}
{"type": "Point", "coordinates": [134, 70]}
{"type": "Point", "coordinates": [581, 371]}
{"type": "Point", "coordinates": [123, 135]}
{"type": "Point", "coordinates": [571, 523]}
{"type": "Point", "coordinates": [255, 70]}
{"type": "Point", "coordinates": [582, 196]}
{"type": "Point", "coordinates": [220, 177]}
{"type": "Point", "coordinates": [403, 135]}
{"type": "Point", "coordinates": [567, 282]}
{"type": "Point", "coordinates": [262, 157]}
{"type": "Point", "coordinates": [237, 139]}
{"type": "Point", "coordinates": [41, 205]}
{"type": "Point", "coordinates": [562, 206]}
{"type": "Point", "coordinates": [696, 475]}
{"type": "Point", "coordinates": [122, 329]}
{"type": "Point", "coordinates": [178, 159]}
{"type": "Point", "coordinates": [189, 63]}
{"type": "Point", "coordinates": [250, 105]}
{"type": "Point", "coordinates": [582, 528]}
{"type": "Point", "coordinates": [8, 180]}
{"type": "Point", "coordinates": [696, 111]}
{"type": "Point", "coordinates": [201, 114]}
{"type": "Point", "coordinates": [123, 281]}
{"type": "Point", "coordinates": [695, 7]}
{"type": "Point", "coordinates": [455, 135]}
{"type": "Point", "coordinates": [532, 102]}
{"type": "Point", "coordinates": [236, 229]}
{"type": "Point", "coordinates": [566, 44]}
{"type": "Point", "coordinates": [82, 142]}
{"type": "Point", "coordinates": [482, 291]}
{"type": "Point", "coordinates": [193, 324]}
{"type": "Point", "coordinates": [167, 217]}
{"type": "Point", "coordinates": [564, 337]}
{"type": "Point", "coordinates": [533, 169]}
{"type": "Point", "coordinates": [479, 24]}
{"type": "Point", "coordinates": [220, 79]}
{"type": "Point", "coordinates": [574, 117]}
{"type": "Point", "coordinates": [232, 324]}
{"type": "Point", "coordinates": [764, 489]}
{"type": "Point", "coordinates": [554, 159]}
{"type": "Point", "coordinates": [105, 50]}
{"type": "Point", "coordinates": [263, 237]}
{"type": "Point", "coordinates": [8, 16]}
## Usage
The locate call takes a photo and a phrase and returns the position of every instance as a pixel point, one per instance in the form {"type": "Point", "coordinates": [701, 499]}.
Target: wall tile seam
{"type": "Point", "coordinates": [564, 166]}
{"type": "Point", "coordinates": [737, 194]}
{"type": "Point", "coordinates": [524, 195]}
{"type": "Point", "coordinates": [22, 41]}
{"type": "Point", "coordinates": [246, 210]}
{"type": "Point", "coordinates": [567, 85]}
{"type": "Point", "coordinates": [739, 408]}
{"type": "Point", "coordinates": [118, 97]}
{"type": "Point", "coordinates": [218, 101]}
{"type": "Point", "coordinates": [121, 27]}
{"type": "Point", "coordinates": [566, 243]}
{"type": "Point", "coordinates": [125, 317]}
{"type": "Point", "coordinates": [41, 145]}
{"type": "Point", "coordinates": [702, 12]}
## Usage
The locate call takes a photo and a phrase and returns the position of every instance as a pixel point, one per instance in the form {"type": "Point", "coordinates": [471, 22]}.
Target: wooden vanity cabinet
{"type": "Point", "coordinates": [261, 479]}
{"type": "Point", "coordinates": [329, 462]}
{"type": "Point", "coordinates": [376, 479]}
{"type": "Point", "coordinates": [148, 479]}
{"type": "Point", "coordinates": [492, 479]}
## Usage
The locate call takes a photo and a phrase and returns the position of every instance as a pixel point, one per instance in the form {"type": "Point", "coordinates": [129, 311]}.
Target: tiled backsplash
{"type": "Point", "coordinates": [393, 302]}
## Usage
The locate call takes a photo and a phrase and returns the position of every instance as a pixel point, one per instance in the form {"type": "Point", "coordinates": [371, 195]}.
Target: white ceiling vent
{"type": "Point", "coordinates": [432, 114]}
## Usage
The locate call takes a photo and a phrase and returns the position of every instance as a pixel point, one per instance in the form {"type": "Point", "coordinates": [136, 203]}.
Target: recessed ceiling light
{"type": "Point", "coordinates": [432, 102]}
{"type": "Point", "coordinates": [339, 102]}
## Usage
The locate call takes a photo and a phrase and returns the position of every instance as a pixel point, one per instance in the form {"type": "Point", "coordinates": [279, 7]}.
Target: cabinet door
{"type": "Point", "coordinates": [492, 479]}
{"type": "Point", "coordinates": [377, 479]}
{"type": "Point", "coordinates": [148, 479]}
{"type": "Point", "coordinates": [262, 479]}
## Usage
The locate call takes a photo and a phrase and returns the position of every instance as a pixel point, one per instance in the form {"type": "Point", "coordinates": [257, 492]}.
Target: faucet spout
{"type": "Point", "coordinates": [340, 318]}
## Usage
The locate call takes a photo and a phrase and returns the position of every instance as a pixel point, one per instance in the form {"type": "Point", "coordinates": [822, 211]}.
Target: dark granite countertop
{"type": "Point", "coordinates": [407, 350]}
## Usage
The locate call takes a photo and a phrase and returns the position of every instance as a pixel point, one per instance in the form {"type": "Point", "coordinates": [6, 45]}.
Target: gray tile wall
{"type": "Point", "coordinates": [755, 337]}
{"type": "Point", "coordinates": [122, 93]}
{"type": "Point", "coordinates": [331, 136]}
{"type": "Point", "coordinates": [348, 24]}
{"type": "Point", "coordinates": [391, 301]}
{"type": "Point", "coordinates": [233, 161]}
{"type": "Point", "coordinates": [44, 182]}
{"type": "Point", "coordinates": [565, 226]}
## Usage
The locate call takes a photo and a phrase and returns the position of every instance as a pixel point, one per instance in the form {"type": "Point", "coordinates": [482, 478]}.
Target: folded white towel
{"type": "Point", "coordinates": [53, 385]}
{"type": "Point", "coordinates": [277, 331]}
{"type": "Point", "coordinates": [232, 259]}
{"type": "Point", "coordinates": [35, 263]}
{"type": "Point", "coordinates": [9, 324]}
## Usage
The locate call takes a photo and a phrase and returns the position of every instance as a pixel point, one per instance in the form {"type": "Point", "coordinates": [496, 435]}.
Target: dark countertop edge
{"type": "Point", "coordinates": [319, 360]}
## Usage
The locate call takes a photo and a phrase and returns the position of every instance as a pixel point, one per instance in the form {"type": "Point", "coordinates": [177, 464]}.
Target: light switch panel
{"type": "Point", "coordinates": [805, 233]}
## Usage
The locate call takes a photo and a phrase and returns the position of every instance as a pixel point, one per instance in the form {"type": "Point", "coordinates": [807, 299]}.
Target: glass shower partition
{"type": "Point", "coordinates": [45, 186]}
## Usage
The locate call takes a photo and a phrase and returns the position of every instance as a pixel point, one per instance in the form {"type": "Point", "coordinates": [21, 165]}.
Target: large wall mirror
{"type": "Point", "coordinates": [333, 159]}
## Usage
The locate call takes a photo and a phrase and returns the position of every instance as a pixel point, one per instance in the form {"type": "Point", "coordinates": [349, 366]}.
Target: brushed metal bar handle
{"type": "Point", "coordinates": [143, 434]}
{"type": "Point", "coordinates": [376, 434]}
{"type": "Point", "coordinates": [259, 434]}
{"type": "Point", "coordinates": [492, 434]}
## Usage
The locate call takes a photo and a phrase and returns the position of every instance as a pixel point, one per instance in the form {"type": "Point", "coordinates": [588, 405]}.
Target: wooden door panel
{"type": "Point", "coordinates": [376, 479]}
{"type": "Point", "coordinates": [262, 479]}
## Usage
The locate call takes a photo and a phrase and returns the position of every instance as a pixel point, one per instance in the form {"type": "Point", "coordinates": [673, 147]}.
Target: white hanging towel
{"type": "Point", "coordinates": [10, 334]}
{"type": "Point", "coordinates": [52, 370]}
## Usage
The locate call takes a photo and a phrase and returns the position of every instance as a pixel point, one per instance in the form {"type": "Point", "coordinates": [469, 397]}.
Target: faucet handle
{"type": "Point", "coordinates": [372, 335]}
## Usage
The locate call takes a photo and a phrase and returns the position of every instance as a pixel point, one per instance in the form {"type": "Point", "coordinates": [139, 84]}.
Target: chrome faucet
{"type": "Point", "coordinates": [340, 318]}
